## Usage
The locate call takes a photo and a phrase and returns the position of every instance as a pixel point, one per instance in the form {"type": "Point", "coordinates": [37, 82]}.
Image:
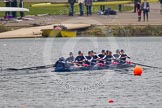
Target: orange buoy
{"type": "Point", "coordinates": [137, 71]}
{"type": "Point", "coordinates": [110, 101]}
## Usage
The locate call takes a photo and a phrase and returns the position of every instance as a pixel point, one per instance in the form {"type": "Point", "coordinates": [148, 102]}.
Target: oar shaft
{"type": "Point", "coordinates": [32, 68]}
{"type": "Point", "coordinates": [147, 65]}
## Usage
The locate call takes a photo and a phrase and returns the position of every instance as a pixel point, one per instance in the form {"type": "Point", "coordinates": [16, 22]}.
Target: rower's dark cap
{"type": "Point", "coordinates": [79, 52]}
{"type": "Point", "coordinates": [89, 52]}
{"type": "Point", "coordinates": [117, 50]}
{"type": "Point", "coordinates": [107, 51]}
{"type": "Point", "coordinates": [122, 50]}
{"type": "Point", "coordinates": [103, 51]}
{"type": "Point", "coordinates": [70, 53]}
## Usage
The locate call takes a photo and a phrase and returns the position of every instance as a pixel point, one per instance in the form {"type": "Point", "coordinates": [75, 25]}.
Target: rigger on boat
{"type": "Point", "coordinates": [93, 61]}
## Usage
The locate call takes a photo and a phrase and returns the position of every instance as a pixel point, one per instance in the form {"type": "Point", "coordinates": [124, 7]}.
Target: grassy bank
{"type": "Point", "coordinates": [148, 30]}
{"type": "Point", "coordinates": [60, 10]}
{"type": "Point", "coordinates": [115, 30]}
{"type": "Point", "coordinates": [119, 31]}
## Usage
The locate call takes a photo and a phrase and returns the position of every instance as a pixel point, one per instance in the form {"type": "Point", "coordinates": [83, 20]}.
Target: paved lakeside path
{"type": "Point", "coordinates": [125, 18]}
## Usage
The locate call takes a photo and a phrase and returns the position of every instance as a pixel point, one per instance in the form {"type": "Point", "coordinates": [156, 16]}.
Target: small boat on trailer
{"type": "Point", "coordinates": [50, 33]}
{"type": "Point", "coordinates": [64, 30]}
{"type": "Point", "coordinates": [68, 33]}
{"type": "Point", "coordinates": [58, 33]}
{"type": "Point", "coordinates": [99, 66]}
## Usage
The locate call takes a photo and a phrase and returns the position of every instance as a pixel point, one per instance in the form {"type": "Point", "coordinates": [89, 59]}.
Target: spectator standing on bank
{"type": "Point", "coordinates": [102, 7]}
{"type": "Point", "coordinates": [21, 5]}
{"type": "Point", "coordinates": [135, 5]}
{"type": "Point", "coordinates": [139, 10]}
{"type": "Point", "coordinates": [160, 6]}
{"type": "Point", "coordinates": [88, 4]}
{"type": "Point", "coordinates": [81, 7]}
{"type": "Point", "coordinates": [146, 9]}
{"type": "Point", "coordinates": [14, 4]}
{"type": "Point", "coordinates": [71, 9]}
{"type": "Point", "coordinates": [7, 4]}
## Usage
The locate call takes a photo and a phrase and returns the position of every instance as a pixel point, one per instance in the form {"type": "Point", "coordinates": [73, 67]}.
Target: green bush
{"type": "Point", "coordinates": [3, 28]}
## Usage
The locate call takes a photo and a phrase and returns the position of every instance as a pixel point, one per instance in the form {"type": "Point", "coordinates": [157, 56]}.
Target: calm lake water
{"type": "Point", "coordinates": [88, 89]}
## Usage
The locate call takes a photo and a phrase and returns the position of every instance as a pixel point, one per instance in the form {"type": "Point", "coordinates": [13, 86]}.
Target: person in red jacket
{"type": "Point", "coordinates": [139, 10]}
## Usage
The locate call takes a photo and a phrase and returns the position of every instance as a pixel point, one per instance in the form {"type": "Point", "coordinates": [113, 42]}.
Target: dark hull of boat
{"type": "Point", "coordinates": [94, 67]}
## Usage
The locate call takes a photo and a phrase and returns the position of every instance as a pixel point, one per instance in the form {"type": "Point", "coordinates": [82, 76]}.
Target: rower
{"type": "Point", "coordinates": [80, 58]}
{"type": "Point", "coordinates": [95, 57]}
{"type": "Point", "coordinates": [123, 56]}
{"type": "Point", "coordinates": [89, 58]}
{"type": "Point", "coordinates": [117, 56]}
{"type": "Point", "coordinates": [70, 59]}
{"type": "Point", "coordinates": [109, 57]}
{"type": "Point", "coordinates": [101, 56]}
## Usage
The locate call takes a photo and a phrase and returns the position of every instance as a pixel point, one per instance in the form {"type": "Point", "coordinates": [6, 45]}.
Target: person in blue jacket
{"type": "Point", "coordinates": [7, 4]}
{"type": "Point", "coordinates": [71, 9]}
{"type": "Point", "coordinates": [14, 4]}
{"type": "Point", "coordinates": [146, 9]}
{"type": "Point", "coordinates": [88, 4]}
{"type": "Point", "coordinates": [135, 5]}
{"type": "Point", "coordinates": [102, 7]}
{"type": "Point", "coordinates": [21, 5]}
{"type": "Point", "coordinates": [81, 7]}
{"type": "Point", "coordinates": [160, 6]}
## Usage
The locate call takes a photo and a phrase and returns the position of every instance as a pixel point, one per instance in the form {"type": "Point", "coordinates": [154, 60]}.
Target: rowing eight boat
{"type": "Point", "coordinates": [98, 66]}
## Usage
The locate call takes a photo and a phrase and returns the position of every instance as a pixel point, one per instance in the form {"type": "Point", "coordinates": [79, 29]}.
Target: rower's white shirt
{"type": "Point", "coordinates": [80, 1]}
{"type": "Point", "coordinates": [87, 59]}
{"type": "Point", "coordinates": [117, 57]}
{"type": "Point", "coordinates": [102, 57]}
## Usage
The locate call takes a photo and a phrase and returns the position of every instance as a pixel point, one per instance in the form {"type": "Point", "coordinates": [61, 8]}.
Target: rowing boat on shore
{"type": "Point", "coordinates": [68, 33]}
{"type": "Point", "coordinates": [58, 33]}
{"type": "Point", "coordinates": [50, 33]}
